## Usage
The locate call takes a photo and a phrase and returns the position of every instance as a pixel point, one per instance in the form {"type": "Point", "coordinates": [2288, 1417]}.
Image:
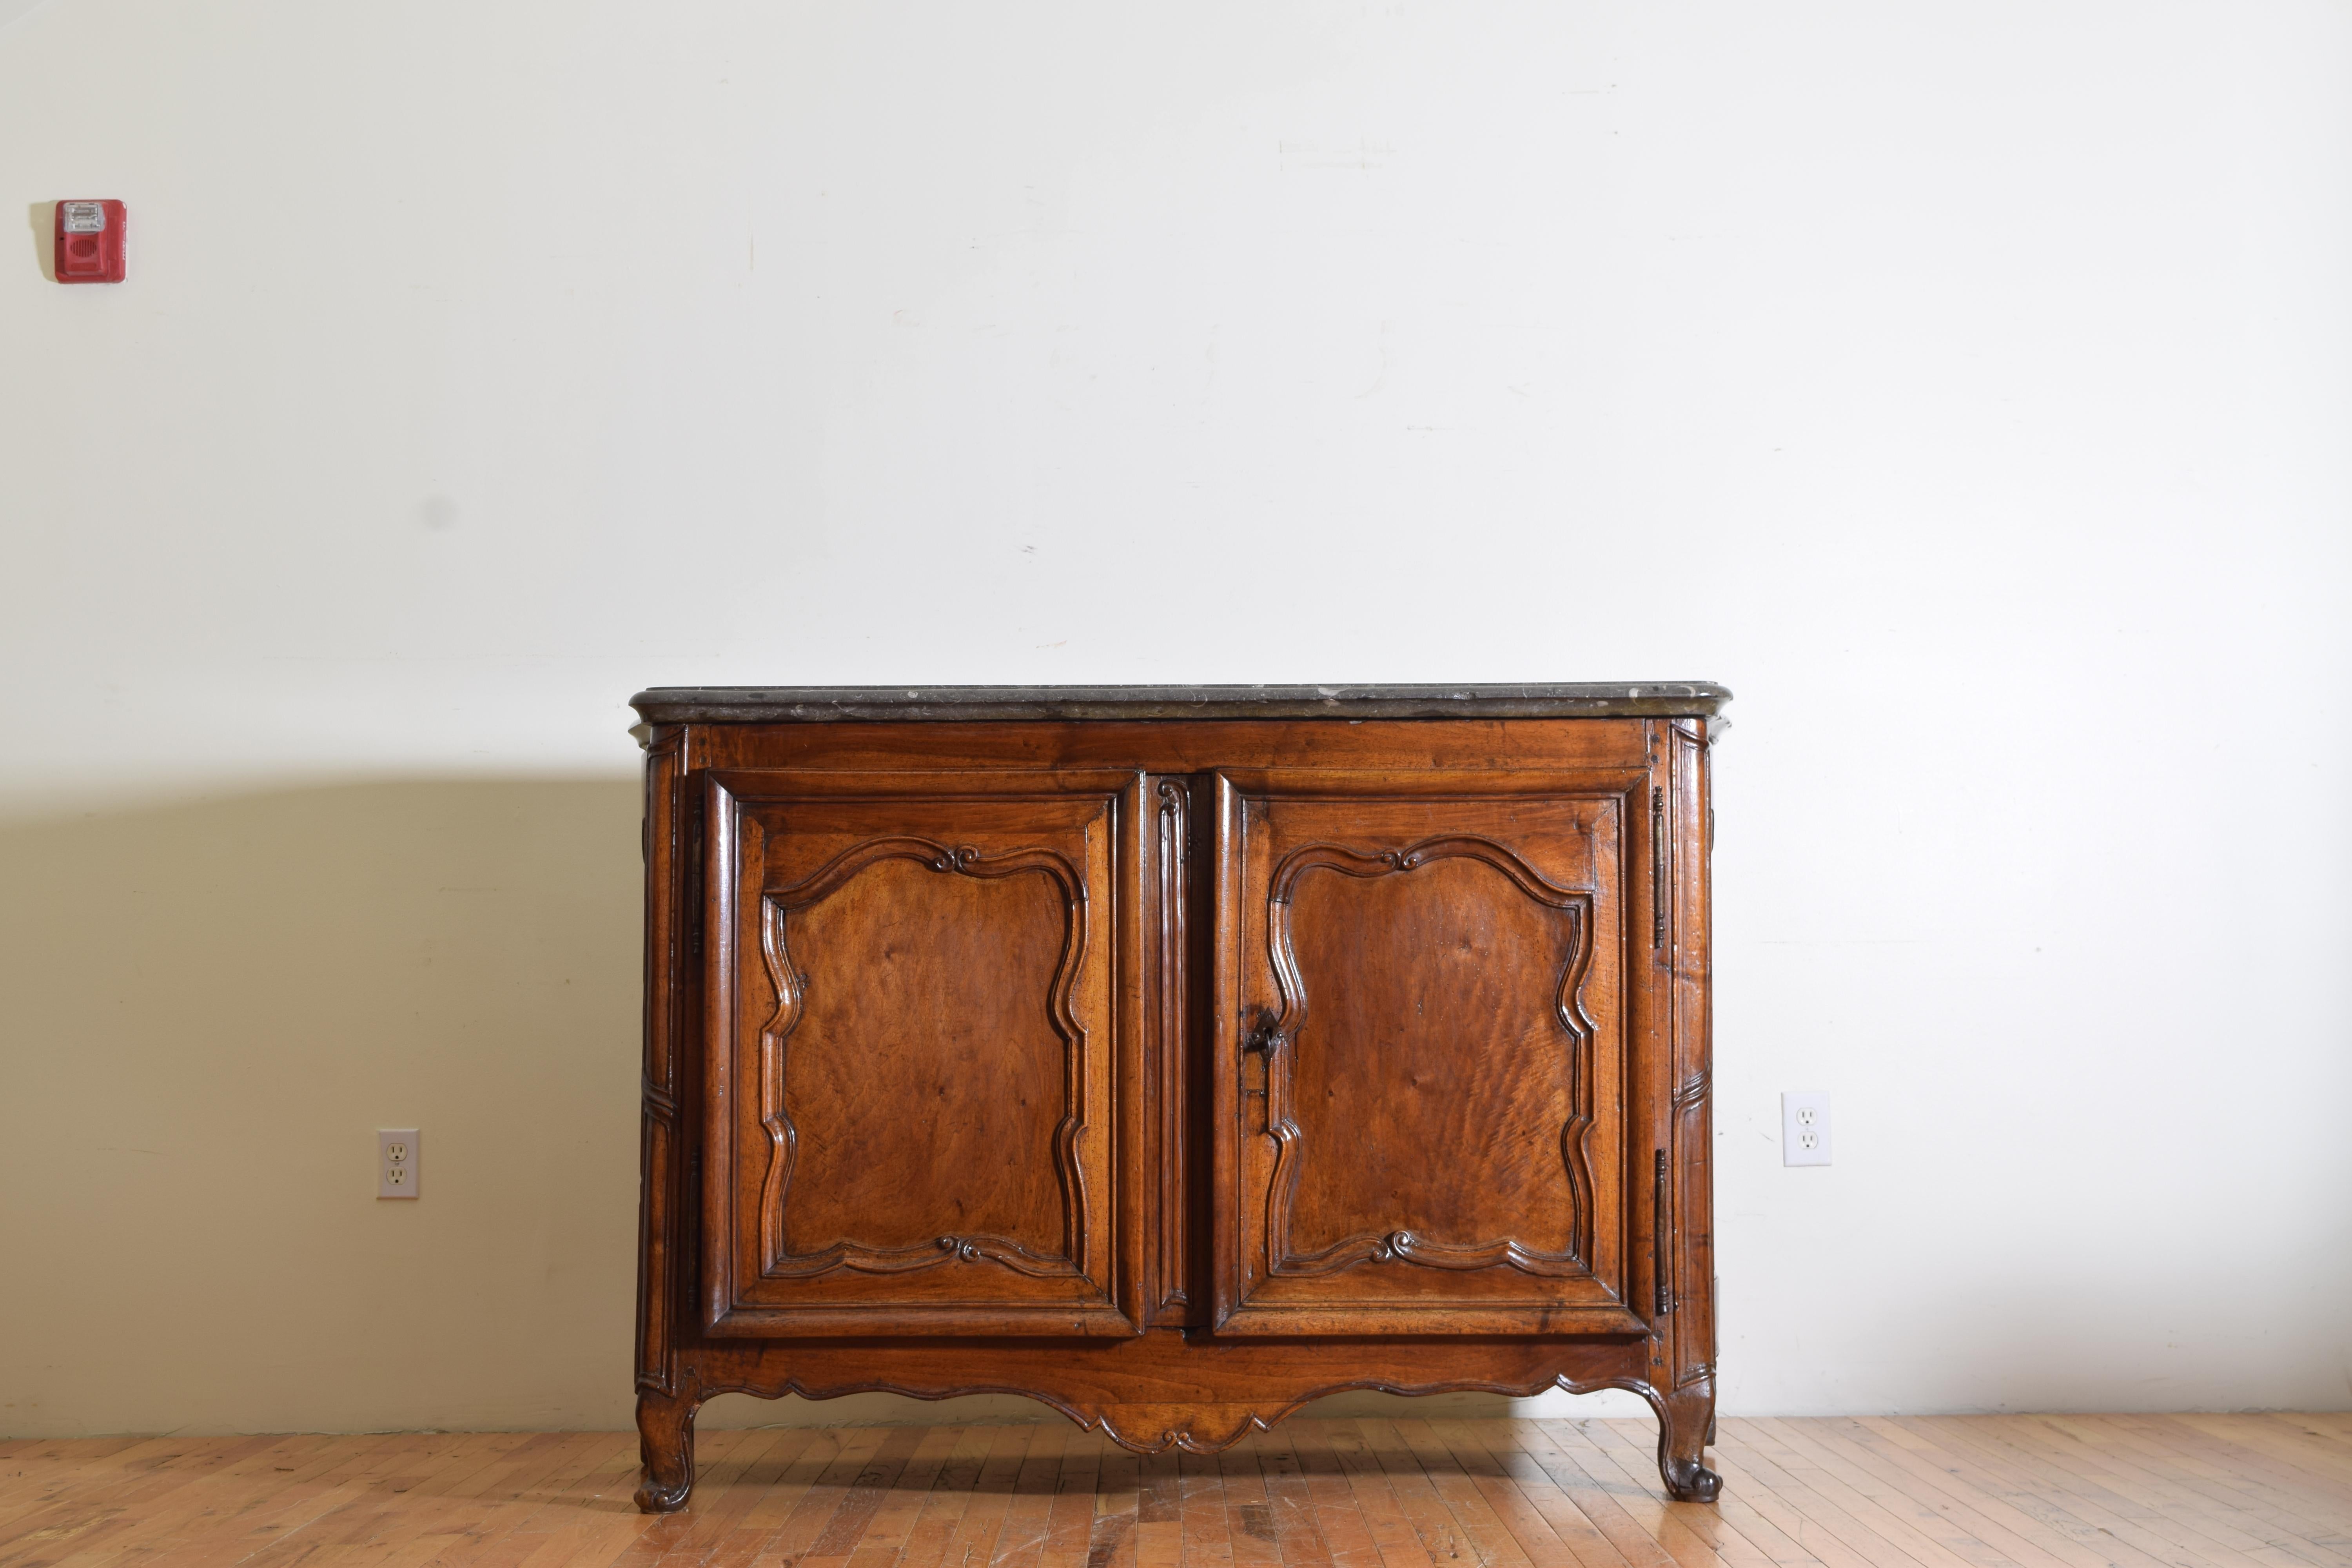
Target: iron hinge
{"type": "Point", "coordinates": [1662, 1240]}
{"type": "Point", "coordinates": [1657, 867]}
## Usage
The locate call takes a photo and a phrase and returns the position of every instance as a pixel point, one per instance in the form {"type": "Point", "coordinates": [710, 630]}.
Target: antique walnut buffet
{"type": "Point", "coordinates": [1176, 1056]}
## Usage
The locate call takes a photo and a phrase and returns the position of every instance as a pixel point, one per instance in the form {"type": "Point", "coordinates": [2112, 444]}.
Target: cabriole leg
{"type": "Point", "coordinates": [666, 1446]}
{"type": "Point", "coordinates": [1686, 1421]}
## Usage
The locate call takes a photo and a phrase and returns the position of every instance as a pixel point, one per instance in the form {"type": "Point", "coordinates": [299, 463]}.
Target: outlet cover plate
{"type": "Point", "coordinates": [396, 1161]}
{"type": "Point", "coordinates": [1805, 1127]}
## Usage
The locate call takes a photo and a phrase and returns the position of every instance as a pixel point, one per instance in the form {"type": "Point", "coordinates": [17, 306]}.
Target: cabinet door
{"type": "Point", "coordinates": [1420, 1053]}
{"type": "Point", "coordinates": [914, 1029]}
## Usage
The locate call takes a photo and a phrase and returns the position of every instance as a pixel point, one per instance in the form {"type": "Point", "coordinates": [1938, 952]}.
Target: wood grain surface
{"type": "Point", "coordinates": [2006, 1492]}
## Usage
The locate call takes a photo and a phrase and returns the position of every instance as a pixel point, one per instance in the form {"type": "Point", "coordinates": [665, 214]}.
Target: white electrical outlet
{"type": "Point", "coordinates": [1805, 1127]}
{"type": "Point", "coordinates": [396, 1161]}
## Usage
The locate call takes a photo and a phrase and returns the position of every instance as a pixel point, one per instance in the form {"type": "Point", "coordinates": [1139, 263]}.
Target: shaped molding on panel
{"type": "Point", "coordinates": [1277, 1031]}
{"type": "Point", "coordinates": [791, 987]}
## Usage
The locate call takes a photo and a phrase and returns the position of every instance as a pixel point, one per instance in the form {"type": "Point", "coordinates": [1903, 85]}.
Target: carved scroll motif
{"type": "Point", "coordinates": [1279, 1034]}
{"type": "Point", "coordinates": [784, 1138]}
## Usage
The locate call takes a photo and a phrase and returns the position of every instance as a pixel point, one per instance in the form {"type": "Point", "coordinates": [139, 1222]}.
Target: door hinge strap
{"type": "Point", "coordinates": [1661, 1241]}
{"type": "Point", "coordinates": [1657, 867]}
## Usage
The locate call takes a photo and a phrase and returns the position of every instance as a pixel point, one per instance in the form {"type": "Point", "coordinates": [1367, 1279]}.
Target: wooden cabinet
{"type": "Point", "coordinates": [1176, 1056]}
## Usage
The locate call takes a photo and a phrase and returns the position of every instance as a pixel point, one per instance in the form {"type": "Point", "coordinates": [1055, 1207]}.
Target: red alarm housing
{"type": "Point", "coordinates": [90, 242]}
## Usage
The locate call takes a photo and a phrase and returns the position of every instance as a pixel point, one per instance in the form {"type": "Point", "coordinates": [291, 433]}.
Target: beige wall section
{"type": "Point", "coordinates": [214, 1003]}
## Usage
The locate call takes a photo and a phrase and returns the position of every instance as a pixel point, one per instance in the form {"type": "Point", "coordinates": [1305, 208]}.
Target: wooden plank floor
{"type": "Point", "coordinates": [2010, 1492]}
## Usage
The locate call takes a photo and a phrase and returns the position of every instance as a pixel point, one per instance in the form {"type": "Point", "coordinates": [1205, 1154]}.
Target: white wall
{"type": "Point", "coordinates": [1967, 385]}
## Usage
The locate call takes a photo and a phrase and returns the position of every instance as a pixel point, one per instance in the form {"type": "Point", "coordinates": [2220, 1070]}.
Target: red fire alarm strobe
{"type": "Point", "coordinates": [90, 242]}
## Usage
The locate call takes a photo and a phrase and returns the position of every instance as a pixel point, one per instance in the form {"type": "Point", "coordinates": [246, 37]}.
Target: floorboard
{"type": "Point", "coordinates": [1987, 1491]}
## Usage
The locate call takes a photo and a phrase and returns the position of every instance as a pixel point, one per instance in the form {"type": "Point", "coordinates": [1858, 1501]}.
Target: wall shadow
{"type": "Point", "coordinates": [212, 1007]}
{"type": "Point", "coordinates": [44, 218]}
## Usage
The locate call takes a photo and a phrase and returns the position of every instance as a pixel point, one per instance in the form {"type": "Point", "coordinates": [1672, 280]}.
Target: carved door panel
{"type": "Point", "coordinates": [1420, 1052]}
{"type": "Point", "coordinates": [917, 1033]}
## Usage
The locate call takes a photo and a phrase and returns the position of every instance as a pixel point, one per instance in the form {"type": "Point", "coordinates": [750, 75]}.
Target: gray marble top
{"type": "Point", "coordinates": [807, 704]}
